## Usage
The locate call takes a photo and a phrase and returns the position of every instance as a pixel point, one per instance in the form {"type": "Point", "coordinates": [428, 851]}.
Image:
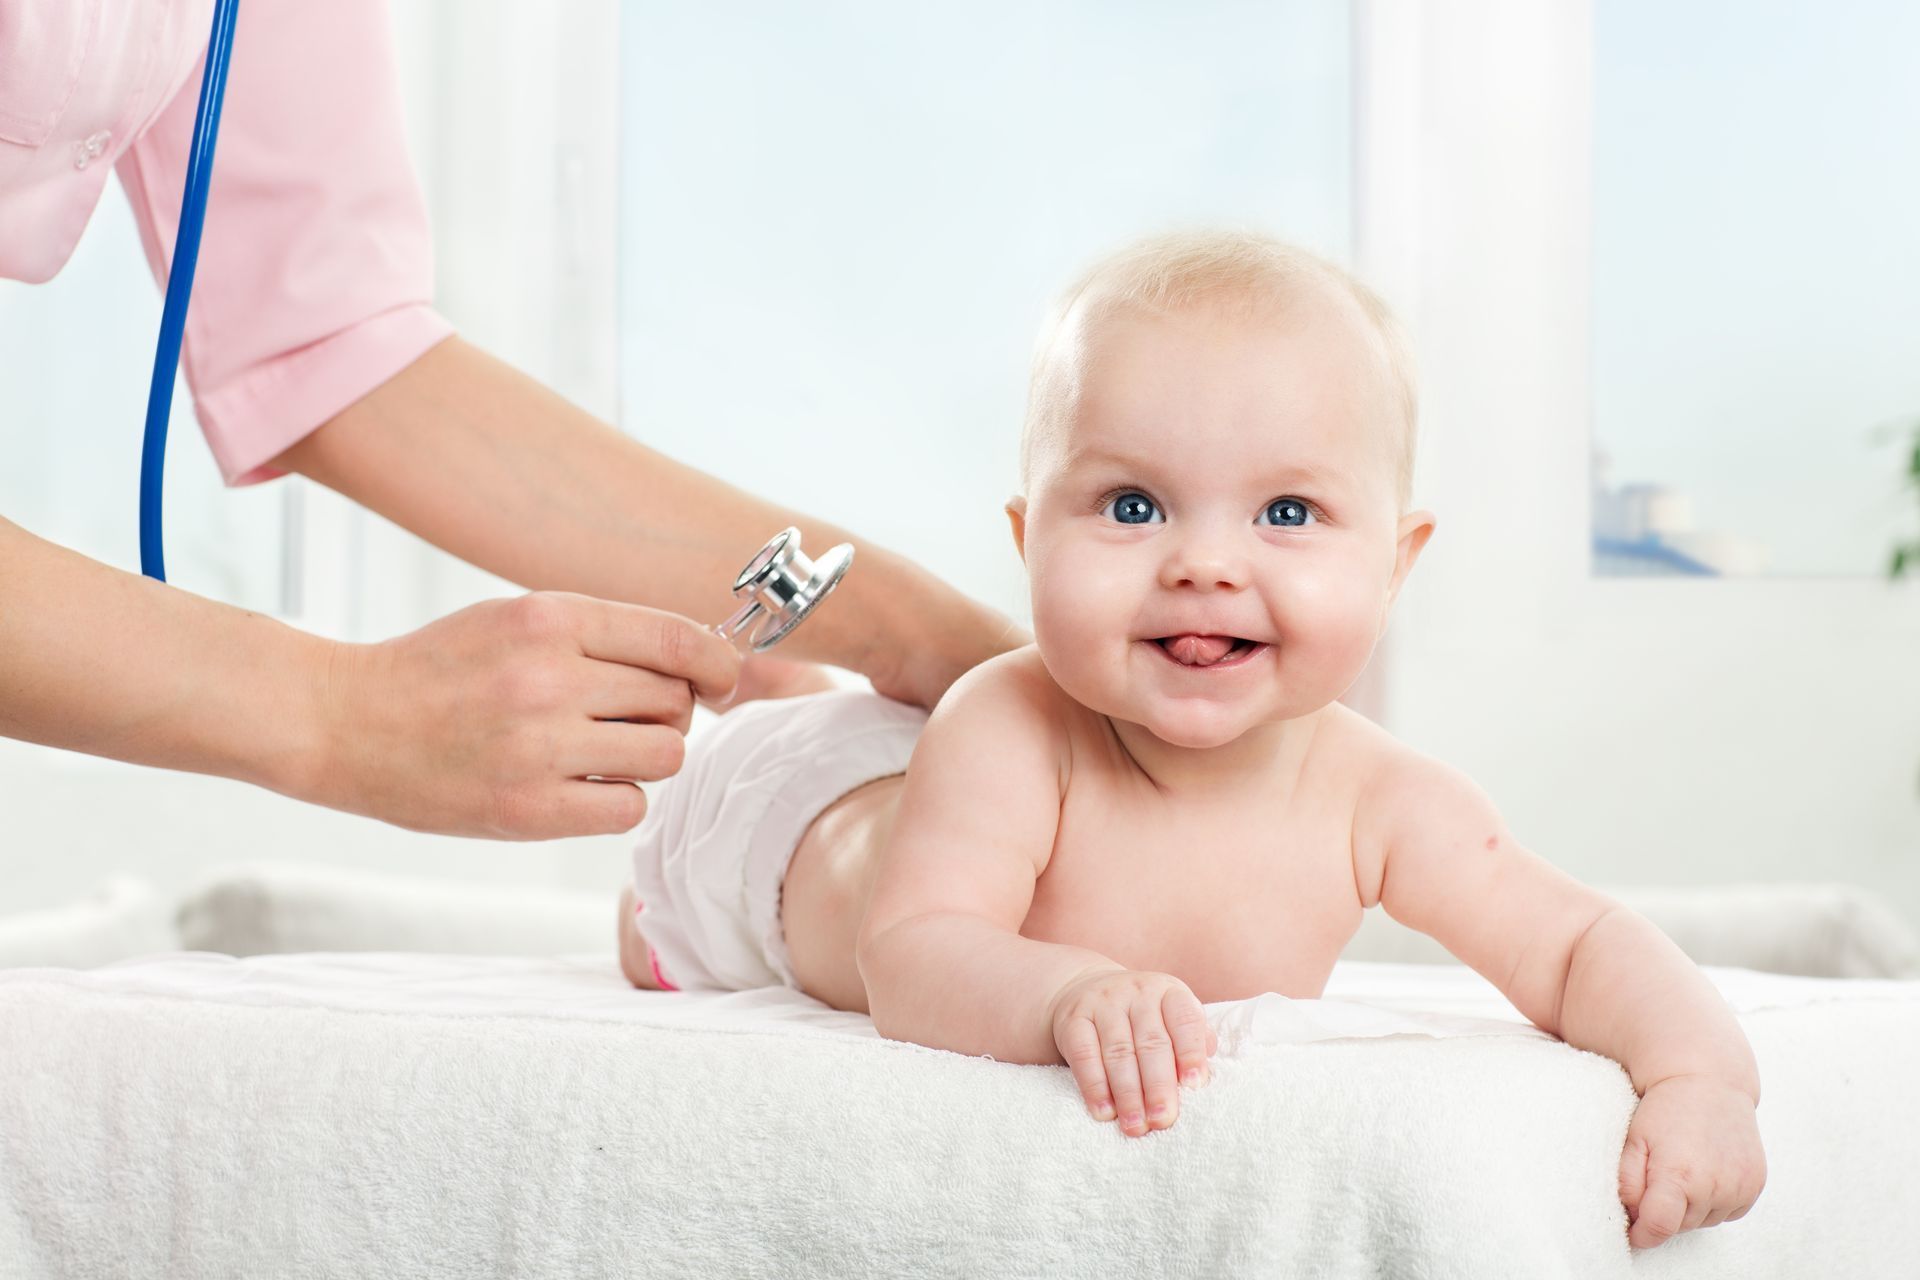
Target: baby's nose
{"type": "Point", "coordinates": [1205, 561]}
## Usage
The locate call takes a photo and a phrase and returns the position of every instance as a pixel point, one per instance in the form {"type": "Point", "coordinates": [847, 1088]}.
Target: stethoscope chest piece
{"type": "Point", "coordinates": [784, 585]}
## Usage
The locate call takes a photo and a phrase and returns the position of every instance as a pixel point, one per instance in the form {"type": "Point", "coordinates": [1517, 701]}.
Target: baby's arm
{"type": "Point", "coordinates": [1430, 847]}
{"type": "Point", "coordinates": [940, 950]}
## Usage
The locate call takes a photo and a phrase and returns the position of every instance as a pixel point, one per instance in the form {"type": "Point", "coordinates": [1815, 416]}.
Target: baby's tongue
{"type": "Point", "coordinates": [1198, 651]}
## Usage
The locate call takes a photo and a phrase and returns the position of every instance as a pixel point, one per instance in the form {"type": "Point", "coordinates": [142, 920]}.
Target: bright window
{"type": "Point", "coordinates": [1756, 284]}
{"type": "Point", "coordinates": [78, 356]}
{"type": "Point", "coordinates": [842, 224]}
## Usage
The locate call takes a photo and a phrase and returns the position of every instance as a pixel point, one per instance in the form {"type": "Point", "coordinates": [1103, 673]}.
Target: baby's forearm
{"type": "Point", "coordinates": [959, 982]}
{"type": "Point", "coordinates": [1634, 996]}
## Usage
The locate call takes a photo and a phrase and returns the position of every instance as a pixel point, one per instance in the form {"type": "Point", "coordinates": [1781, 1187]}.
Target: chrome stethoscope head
{"type": "Point", "coordinates": [785, 585]}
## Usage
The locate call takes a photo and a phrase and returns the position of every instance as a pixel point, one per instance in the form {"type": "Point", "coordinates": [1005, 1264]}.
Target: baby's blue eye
{"type": "Point", "coordinates": [1288, 513]}
{"type": "Point", "coordinates": [1135, 508]}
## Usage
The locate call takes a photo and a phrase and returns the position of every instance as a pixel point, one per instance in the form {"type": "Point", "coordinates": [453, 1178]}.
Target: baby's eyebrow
{"type": "Point", "coordinates": [1283, 475]}
{"type": "Point", "coordinates": [1309, 474]}
{"type": "Point", "coordinates": [1080, 455]}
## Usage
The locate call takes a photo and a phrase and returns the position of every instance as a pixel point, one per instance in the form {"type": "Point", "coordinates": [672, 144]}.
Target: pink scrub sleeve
{"type": "Point", "coordinates": [315, 279]}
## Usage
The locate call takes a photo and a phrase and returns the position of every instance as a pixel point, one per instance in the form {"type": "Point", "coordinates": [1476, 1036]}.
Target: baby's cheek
{"type": "Point", "coordinates": [1327, 627]}
{"type": "Point", "coordinates": [1081, 626]}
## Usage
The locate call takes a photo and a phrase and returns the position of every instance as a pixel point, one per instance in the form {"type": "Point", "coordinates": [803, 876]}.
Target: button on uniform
{"type": "Point", "coordinates": [89, 149]}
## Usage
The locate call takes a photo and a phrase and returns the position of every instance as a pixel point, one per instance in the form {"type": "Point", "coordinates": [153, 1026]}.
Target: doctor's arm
{"type": "Point", "coordinates": [312, 345]}
{"type": "Point", "coordinates": [489, 722]}
{"type": "Point", "coordinates": [488, 464]}
{"type": "Point", "coordinates": [1434, 852]}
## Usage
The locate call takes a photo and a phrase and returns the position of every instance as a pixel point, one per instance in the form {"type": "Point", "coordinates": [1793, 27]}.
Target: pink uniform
{"type": "Point", "coordinates": [316, 274]}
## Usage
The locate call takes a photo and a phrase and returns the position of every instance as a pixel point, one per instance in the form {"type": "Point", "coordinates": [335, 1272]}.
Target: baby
{"type": "Point", "coordinates": [1161, 802]}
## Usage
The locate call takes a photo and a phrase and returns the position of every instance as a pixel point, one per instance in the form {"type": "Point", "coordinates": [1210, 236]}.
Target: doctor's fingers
{"type": "Point", "coordinates": [614, 691]}
{"type": "Point", "coordinates": [654, 640]}
{"type": "Point", "coordinates": [563, 807]}
{"type": "Point", "coordinates": [638, 752]}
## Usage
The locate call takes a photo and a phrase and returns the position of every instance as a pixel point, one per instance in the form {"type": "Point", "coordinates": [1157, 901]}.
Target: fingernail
{"type": "Point", "coordinates": [1160, 1111]}
{"type": "Point", "coordinates": [1190, 1076]}
{"type": "Point", "coordinates": [1103, 1112]}
{"type": "Point", "coordinates": [1132, 1120]}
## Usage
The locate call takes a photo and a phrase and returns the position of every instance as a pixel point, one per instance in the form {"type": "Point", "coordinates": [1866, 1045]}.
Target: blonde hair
{"type": "Point", "coordinates": [1172, 272]}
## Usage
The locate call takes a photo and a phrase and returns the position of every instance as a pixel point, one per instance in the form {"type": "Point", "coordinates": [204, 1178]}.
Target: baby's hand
{"type": "Point", "coordinates": [1132, 1039]}
{"type": "Point", "coordinates": [1692, 1159]}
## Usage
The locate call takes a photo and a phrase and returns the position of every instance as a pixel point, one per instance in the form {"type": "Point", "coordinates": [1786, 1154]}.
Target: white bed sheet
{"type": "Point", "coordinates": [377, 1114]}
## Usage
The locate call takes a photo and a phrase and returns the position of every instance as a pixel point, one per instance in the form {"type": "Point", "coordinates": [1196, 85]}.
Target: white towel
{"type": "Point", "coordinates": [468, 1116]}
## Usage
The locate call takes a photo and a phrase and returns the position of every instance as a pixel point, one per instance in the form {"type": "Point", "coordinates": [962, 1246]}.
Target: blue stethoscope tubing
{"type": "Point", "coordinates": [173, 316]}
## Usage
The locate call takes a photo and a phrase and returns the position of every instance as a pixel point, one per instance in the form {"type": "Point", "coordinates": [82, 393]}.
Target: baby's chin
{"type": "Point", "coordinates": [1195, 727]}
{"type": "Point", "coordinates": [1195, 724]}
{"type": "Point", "coordinates": [1202, 723]}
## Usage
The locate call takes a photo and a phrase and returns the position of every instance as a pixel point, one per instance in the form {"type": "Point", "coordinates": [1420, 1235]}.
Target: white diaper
{"type": "Point", "coordinates": [719, 834]}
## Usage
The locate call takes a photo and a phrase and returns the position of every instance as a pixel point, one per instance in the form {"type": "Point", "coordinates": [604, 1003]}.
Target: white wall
{"type": "Point", "coordinates": [1653, 731]}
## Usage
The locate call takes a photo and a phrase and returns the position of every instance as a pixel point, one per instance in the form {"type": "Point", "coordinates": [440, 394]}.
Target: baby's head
{"type": "Point", "coordinates": [1215, 470]}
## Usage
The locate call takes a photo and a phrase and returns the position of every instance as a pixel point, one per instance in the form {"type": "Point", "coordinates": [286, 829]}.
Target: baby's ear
{"type": "Point", "coordinates": [1415, 528]}
{"type": "Point", "coordinates": [1017, 517]}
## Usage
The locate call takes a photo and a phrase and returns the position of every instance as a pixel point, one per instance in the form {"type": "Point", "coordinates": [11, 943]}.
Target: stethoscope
{"type": "Point", "coordinates": [173, 316]}
{"type": "Point", "coordinates": [779, 582]}
{"type": "Point", "coordinates": [784, 585]}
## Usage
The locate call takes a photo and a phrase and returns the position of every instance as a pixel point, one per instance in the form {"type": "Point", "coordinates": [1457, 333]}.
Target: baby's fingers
{"type": "Point", "coordinates": [1193, 1039]}
{"type": "Point", "coordinates": [1080, 1045]}
{"type": "Point", "coordinates": [1153, 1049]}
{"type": "Point", "coordinates": [1633, 1175]}
{"type": "Point", "coordinates": [1123, 1069]}
{"type": "Point", "coordinates": [1663, 1212]}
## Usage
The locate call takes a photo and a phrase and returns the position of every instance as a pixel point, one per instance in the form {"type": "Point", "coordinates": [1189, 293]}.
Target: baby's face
{"type": "Point", "coordinates": [1212, 537]}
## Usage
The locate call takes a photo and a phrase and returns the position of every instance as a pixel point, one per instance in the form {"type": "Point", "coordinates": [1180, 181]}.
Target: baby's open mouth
{"type": "Point", "coordinates": [1206, 651]}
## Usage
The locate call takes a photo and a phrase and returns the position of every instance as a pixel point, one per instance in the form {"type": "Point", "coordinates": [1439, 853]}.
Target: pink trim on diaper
{"type": "Point", "coordinates": [653, 963]}
{"type": "Point", "coordinates": [653, 957]}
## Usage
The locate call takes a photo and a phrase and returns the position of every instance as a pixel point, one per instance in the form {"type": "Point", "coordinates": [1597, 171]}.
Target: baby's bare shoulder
{"type": "Point", "coordinates": [1348, 747]}
{"type": "Point", "coordinates": [1016, 678]}
{"type": "Point", "coordinates": [1399, 792]}
{"type": "Point", "coordinates": [1351, 753]}
{"type": "Point", "coordinates": [1009, 699]}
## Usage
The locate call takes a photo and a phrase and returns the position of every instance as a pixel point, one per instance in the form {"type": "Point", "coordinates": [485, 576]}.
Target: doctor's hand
{"type": "Point", "coordinates": [497, 720]}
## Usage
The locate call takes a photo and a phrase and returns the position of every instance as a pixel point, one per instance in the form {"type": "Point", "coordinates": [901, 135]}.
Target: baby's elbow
{"type": "Point", "coordinates": [864, 958]}
{"type": "Point", "coordinates": [885, 1024]}
{"type": "Point", "coordinates": [873, 978]}
{"type": "Point", "coordinates": [880, 974]}
{"type": "Point", "coordinates": [885, 1009]}
{"type": "Point", "coordinates": [876, 946]}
